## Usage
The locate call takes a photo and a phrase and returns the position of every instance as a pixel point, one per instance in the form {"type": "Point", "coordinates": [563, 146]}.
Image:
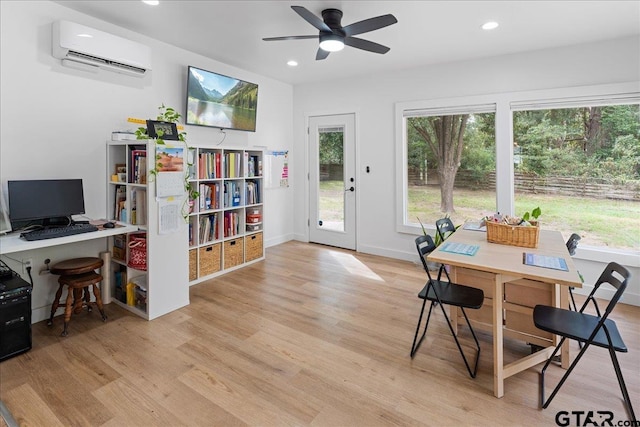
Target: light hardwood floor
{"type": "Point", "coordinates": [310, 336]}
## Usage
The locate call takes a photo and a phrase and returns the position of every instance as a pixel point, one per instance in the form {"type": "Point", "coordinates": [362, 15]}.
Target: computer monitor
{"type": "Point", "coordinates": [48, 201]}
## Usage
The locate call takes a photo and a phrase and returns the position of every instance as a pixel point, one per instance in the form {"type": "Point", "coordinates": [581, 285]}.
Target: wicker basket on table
{"type": "Point", "coordinates": [514, 235]}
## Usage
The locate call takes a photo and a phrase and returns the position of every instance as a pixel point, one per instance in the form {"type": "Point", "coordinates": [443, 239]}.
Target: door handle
{"type": "Point", "coordinates": [350, 189]}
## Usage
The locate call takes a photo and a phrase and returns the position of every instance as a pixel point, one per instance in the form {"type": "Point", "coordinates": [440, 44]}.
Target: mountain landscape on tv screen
{"type": "Point", "coordinates": [243, 95]}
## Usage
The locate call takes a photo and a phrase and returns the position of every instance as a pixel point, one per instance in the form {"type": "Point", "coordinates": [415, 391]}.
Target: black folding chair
{"type": "Point", "coordinates": [589, 329]}
{"type": "Point", "coordinates": [445, 227]}
{"type": "Point", "coordinates": [441, 292]}
{"type": "Point", "coordinates": [572, 245]}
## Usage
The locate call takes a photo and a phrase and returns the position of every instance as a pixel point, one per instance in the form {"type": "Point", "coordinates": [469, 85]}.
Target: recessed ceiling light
{"type": "Point", "coordinates": [292, 63]}
{"type": "Point", "coordinates": [85, 35]}
{"type": "Point", "coordinates": [151, 2]}
{"type": "Point", "coordinates": [490, 25]}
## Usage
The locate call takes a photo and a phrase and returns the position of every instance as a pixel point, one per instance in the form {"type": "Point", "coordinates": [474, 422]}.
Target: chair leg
{"type": "Point", "coordinates": [67, 312]}
{"type": "Point", "coordinates": [573, 300]}
{"type": "Point", "coordinates": [575, 307]}
{"type": "Point", "coordinates": [546, 403]}
{"type": "Point", "coordinates": [455, 337]}
{"type": "Point", "coordinates": [414, 346]}
{"type": "Point", "coordinates": [96, 294]}
{"type": "Point", "coordinates": [55, 305]}
{"type": "Point", "coordinates": [623, 387]}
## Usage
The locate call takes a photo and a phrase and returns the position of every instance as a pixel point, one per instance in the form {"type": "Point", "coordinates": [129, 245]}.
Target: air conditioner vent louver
{"type": "Point", "coordinates": [95, 60]}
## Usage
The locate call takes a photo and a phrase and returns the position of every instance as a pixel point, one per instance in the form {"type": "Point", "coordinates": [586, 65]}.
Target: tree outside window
{"type": "Point", "coordinates": [582, 165]}
{"type": "Point", "coordinates": [450, 167]}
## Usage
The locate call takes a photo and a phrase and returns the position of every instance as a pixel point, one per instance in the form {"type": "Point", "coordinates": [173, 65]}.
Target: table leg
{"type": "Point", "coordinates": [498, 353]}
{"type": "Point", "coordinates": [453, 311]}
{"type": "Point", "coordinates": [565, 357]}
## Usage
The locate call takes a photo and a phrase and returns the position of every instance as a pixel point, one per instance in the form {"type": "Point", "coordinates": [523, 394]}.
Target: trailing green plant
{"type": "Point", "coordinates": [533, 215]}
{"type": "Point", "coordinates": [170, 115]}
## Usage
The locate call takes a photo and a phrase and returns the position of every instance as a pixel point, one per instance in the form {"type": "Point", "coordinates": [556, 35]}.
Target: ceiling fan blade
{"type": "Point", "coordinates": [270, 39]}
{"type": "Point", "coordinates": [365, 45]}
{"type": "Point", "coordinates": [369, 25]}
{"type": "Point", "coordinates": [311, 18]}
{"type": "Point", "coordinates": [321, 54]}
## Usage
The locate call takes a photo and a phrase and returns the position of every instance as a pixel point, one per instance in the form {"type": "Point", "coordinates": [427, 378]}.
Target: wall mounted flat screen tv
{"type": "Point", "coordinates": [220, 101]}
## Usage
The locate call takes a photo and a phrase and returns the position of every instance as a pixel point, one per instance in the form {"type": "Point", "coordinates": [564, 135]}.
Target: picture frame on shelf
{"type": "Point", "coordinates": [164, 130]}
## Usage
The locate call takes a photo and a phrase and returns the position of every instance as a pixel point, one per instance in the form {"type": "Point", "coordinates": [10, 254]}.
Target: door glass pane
{"type": "Point", "coordinates": [331, 178]}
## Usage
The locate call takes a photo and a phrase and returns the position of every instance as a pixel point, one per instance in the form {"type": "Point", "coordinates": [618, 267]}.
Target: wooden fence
{"type": "Point", "coordinates": [528, 183]}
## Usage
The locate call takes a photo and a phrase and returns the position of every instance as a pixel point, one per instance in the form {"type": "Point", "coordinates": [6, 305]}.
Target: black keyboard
{"type": "Point", "coordinates": [53, 232]}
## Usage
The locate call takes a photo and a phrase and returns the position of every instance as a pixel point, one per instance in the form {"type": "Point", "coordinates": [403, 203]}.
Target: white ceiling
{"type": "Point", "coordinates": [427, 32]}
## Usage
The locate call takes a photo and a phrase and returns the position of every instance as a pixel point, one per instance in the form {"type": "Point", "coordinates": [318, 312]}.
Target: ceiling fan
{"type": "Point", "coordinates": [333, 36]}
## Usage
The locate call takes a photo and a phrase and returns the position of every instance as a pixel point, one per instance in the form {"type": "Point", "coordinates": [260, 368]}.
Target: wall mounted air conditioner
{"type": "Point", "coordinates": [86, 48]}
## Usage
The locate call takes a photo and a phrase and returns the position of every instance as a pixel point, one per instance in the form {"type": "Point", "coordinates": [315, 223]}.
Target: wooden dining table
{"type": "Point", "coordinates": [511, 290]}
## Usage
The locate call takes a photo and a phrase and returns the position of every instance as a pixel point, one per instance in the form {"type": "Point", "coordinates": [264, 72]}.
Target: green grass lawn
{"type": "Point", "coordinates": [600, 222]}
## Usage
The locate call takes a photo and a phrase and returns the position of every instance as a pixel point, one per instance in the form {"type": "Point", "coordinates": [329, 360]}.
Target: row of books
{"type": "Point", "coordinates": [253, 165]}
{"type": "Point", "coordinates": [211, 165]}
{"type": "Point", "coordinates": [231, 224]}
{"type": "Point", "coordinates": [209, 197]}
{"type": "Point", "coordinates": [209, 230]}
{"type": "Point", "coordinates": [231, 196]}
{"type": "Point", "coordinates": [137, 204]}
{"type": "Point", "coordinates": [138, 166]}
{"type": "Point", "coordinates": [208, 227]}
{"type": "Point", "coordinates": [252, 192]}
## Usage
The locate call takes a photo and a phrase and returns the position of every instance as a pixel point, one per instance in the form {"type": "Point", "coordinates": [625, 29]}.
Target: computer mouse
{"type": "Point", "coordinates": [109, 225]}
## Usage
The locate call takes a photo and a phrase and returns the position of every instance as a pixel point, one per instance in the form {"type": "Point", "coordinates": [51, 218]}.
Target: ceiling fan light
{"type": "Point", "coordinates": [331, 43]}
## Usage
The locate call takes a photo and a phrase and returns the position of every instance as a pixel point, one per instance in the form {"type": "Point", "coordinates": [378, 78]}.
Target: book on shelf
{"type": "Point", "coordinates": [119, 249]}
{"type": "Point", "coordinates": [253, 166]}
{"type": "Point", "coordinates": [252, 192]}
{"type": "Point", "coordinates": [208, 226]}
{"type": "Point", "coordinates": [209, 197]}
{"type": "Point", "coordinates": [209, 165]}
{"type": "Point", "coordinates": [138, 206]}
{"type": "Point", "coordinates": [119, 202]}
{"type": "Point", "coordinates": [231, 224]}
{"type": "Point", "coordinates": [138, 166]}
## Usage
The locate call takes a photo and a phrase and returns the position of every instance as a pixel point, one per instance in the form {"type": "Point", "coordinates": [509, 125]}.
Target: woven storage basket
{"type": "Point", "coordinates": [209, 259]}
{"type": "Point", "coordinates": [253, 247]}
{"type": "Point", "coordinates": [233, 252]}
{"type": "Point", "coordinates": [514, 235]}
{"type": "Point", "coordinates": [193, 264]}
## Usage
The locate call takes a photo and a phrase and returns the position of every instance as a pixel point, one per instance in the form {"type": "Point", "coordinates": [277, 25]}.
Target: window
{"type": "Point", "coordinates": [574, 152]}
{"type": "Point", "coordinates": [581, 165]}
{"type": "Point", "coordinates": [450, 163]}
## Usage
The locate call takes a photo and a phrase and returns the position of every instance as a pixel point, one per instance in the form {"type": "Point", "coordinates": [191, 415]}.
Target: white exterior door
{"type": "Point", "coordinates": [332, 186]}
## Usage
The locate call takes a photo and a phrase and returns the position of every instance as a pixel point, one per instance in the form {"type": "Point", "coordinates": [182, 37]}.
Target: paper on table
{"type": "Point", "coordinates": [475, 226]}
{"type": "Point", "coordinates": [460, 248]}
{"type": "Point", "coordinates": [544, 261]}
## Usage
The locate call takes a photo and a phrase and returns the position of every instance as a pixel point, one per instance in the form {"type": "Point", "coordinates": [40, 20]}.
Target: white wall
{"type": "Point", "coordinates": [56, 120]}
{"type": "Point", "coordinates": [373, 98]}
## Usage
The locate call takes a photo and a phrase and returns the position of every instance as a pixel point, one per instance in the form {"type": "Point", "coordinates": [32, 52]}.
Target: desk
{"type": "Point", "coordinates": [13, 243]}
{"type": "Point", "coordinates": [511, 290]}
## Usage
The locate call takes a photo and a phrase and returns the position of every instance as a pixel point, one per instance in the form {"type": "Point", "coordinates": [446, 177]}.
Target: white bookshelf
{"type": "Point", "coordinates": [167, 263]}
{"type": "Point", "coordinates": [226, 220]}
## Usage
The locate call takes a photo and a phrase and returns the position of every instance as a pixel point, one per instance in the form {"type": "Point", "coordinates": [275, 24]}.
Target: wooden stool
{"type": "Point", "coordinates": [77, 274]}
